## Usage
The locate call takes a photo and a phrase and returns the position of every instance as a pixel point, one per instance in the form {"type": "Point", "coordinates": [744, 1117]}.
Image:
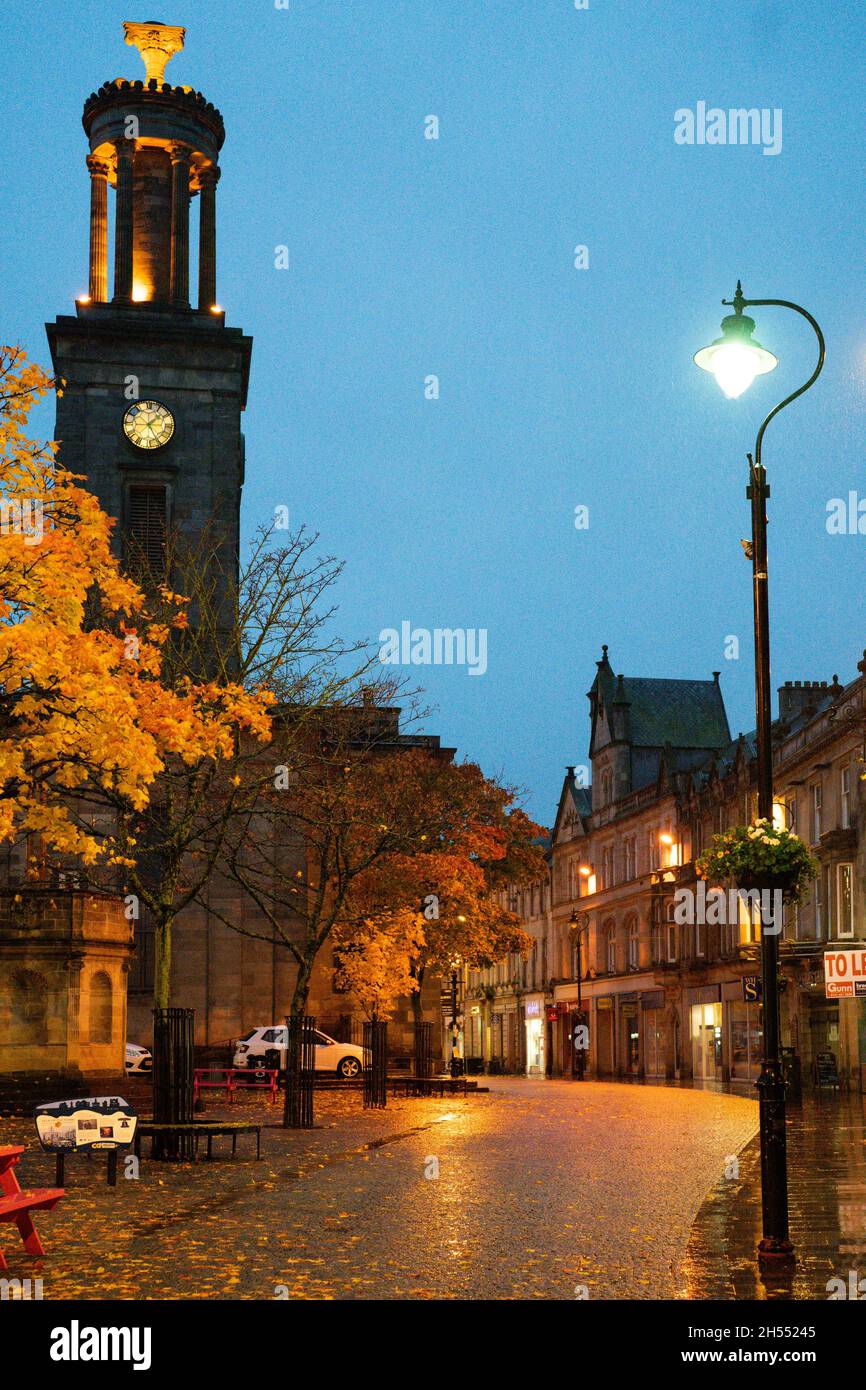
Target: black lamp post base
{"type": "Point", "coordinates": [775, 1252]}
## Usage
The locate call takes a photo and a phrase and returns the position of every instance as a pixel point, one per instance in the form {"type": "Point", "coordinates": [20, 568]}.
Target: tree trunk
{"type": "Point", "coordinates": [302, 989]}
{"type": "Point", "coordinates": [162, 963]}
{"type": "Point", "coordinates": [292, 1081]}
{"type": "Point", "coordinates": [417, 1007]}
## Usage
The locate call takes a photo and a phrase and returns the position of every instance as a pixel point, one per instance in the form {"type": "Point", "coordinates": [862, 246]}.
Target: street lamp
{"type": "Point", "coordinates": [579, 924]}
{"type": "Point", "coordinates": [456, 1060]}
{"type": "Point", "coordinates": [735, 360]}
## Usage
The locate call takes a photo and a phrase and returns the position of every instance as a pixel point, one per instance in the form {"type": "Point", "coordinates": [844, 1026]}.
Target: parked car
{"type": "Point", "coordinates": [138, 1059]}
{"type": "Point", "coordinates": [266, 1047]}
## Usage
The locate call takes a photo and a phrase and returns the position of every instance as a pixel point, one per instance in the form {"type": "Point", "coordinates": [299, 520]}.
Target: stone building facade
{"type": "Point", "coordinates": [64, 957]}
{"type": "Point", "coordinates": [505, 1015]}
{"type": "Point", "coordinates": [671, 998]}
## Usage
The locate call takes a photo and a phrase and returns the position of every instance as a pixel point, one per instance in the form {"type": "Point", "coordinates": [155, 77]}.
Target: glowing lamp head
{"type": "Point", "coordinates": [665, 838]}
{"type": "Point", "coordinates": [736, 358]}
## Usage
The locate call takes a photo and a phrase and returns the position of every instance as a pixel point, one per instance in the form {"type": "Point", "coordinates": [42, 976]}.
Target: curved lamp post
{"type": "Point", "coordinates": [735, 360]}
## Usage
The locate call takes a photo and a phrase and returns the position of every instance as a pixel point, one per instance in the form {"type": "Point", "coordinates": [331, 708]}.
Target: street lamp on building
{"type": "Point", "coordinates": [579, 922]}
{"type": "Point", "coordinates": [735, 360]}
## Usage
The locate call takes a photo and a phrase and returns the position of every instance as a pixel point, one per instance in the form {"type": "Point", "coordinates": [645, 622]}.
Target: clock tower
{"type": "Point", "coordinates": [154, 382]}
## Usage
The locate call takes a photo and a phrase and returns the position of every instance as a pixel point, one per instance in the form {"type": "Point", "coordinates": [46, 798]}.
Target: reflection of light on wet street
{"type": "Point", "coordinates": [826, 1141]}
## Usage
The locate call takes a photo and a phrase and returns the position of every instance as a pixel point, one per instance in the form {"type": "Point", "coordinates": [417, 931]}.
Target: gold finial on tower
{"type": "Point", "coordinates": [156, 43]}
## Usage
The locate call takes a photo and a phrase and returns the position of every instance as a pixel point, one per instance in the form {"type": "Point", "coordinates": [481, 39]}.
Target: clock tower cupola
{"type": "Point", "coordinates": [155, 382]}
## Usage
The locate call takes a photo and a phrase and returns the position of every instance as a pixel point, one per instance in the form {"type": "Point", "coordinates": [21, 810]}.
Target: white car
{"type": "Point", "coordinates": [266, 1047]}
{"type": "Point", "coordinates": [139, 1060]}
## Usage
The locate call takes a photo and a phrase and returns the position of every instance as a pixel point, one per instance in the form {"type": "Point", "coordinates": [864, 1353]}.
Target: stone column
{"type": "Point", "coordinates": [98, 284]}
{"type": "Point", "coordinates": [123, 223]}
{"type": "Point", "coordinates": [208, 179]}
{"type": "Point", "coordinates": [180, 156]}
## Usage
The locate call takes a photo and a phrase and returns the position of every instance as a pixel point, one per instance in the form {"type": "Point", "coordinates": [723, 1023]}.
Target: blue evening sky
{"type": "Point", "coordinates": [558, 387]}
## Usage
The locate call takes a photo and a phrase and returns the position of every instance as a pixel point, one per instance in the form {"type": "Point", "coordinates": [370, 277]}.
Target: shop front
{"type": "Point", "coordinates": [535, 1025]}
{"type": "Point", "coordinates": [605, 1056]}
{"type": "Point", "coordinates": [654, 1033]}
{"type": "Point", "coordinates": [629, 1029]}
{"type": "Point", "coordinates": [705, 1032]}
{"type": "Point", "coordinates": [571, 1049]}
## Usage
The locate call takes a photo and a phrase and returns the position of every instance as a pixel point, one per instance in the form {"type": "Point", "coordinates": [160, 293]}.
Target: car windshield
{"type": "Point", "coordinates": [246, 1037]}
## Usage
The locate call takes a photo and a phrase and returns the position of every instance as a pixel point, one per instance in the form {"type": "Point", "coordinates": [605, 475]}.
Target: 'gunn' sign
{"type": "Point", "coordinates": [844, 974]}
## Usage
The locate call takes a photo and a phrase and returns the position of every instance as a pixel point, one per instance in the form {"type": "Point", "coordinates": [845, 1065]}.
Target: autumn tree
{"type": "Point", "coordinates": [368, 827]}
{"type": "Point", "coordinates": [84, 713]}
{"type": "Point", "coordinates": [461, 888]}
{"type": "Point", "coordinates": [375, 959]}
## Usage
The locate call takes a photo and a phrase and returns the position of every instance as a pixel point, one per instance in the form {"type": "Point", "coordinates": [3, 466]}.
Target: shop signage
{"type": "Point", "coordinates": [844, 974]}
{"type": "Point", "coordinates": [533, 1008]}
{"type": "Point", "coordinates": [753, 989]}
{"type": "Point", "coordinates": [552, 1013]}
{"type": "Point", "coordinates": [92, 1122]}
{"type": "Point", "coordinates": [605, 1003]}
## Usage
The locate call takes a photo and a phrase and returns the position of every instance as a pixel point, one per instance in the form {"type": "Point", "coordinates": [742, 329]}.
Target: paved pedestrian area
{"type": "Point", "coordinates": [538, 1190]}
{"type": "Point", "coordinates": [827, 1210]}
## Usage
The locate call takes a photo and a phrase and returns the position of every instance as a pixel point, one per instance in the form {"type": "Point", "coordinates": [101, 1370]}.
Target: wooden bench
{"type": "Point", "coordinates": [200, 1129]}
{"type": "Point", "coordinates": [17, 1204]}
{"type": "Point", "coordinates": [428, 1085]}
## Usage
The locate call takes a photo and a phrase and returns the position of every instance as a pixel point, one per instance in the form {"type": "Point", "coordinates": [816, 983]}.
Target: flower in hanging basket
{"type": "Point", "coordinates": [760, 856]}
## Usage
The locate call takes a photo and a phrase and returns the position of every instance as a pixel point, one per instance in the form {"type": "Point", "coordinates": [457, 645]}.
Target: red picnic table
{"type": "Point", "coordinates": [17, 1204]}
{"type": "Point", "coordinates": [231, 1079]}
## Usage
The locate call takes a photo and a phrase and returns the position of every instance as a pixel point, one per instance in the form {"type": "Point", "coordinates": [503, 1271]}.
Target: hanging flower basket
{"type": "Point", "coordinates": [760, 857]}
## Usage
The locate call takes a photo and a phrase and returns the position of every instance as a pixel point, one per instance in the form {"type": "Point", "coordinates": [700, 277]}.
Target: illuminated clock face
{"type": "Point", "coordinates": [148, 425]}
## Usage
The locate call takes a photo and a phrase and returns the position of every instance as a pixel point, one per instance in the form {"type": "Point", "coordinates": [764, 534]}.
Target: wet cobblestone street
{"type": "Point", "coordinates": [529, 1192]}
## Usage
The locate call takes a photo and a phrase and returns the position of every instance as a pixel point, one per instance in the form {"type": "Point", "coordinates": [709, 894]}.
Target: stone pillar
{"type": "Point", "coordinates": [180, 155]}
{"type": "Point", "coordinates": [209, 179]}
{"type": "Point", "coordinates": [123, 223]}
{"type": "Point", "coordinates": [98, 283]}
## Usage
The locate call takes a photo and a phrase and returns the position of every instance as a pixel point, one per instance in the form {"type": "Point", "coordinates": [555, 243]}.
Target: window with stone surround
{"type": "Point", "coordinates": [845, 798]}
{"type": "Point", "coordinates": [844, 900]}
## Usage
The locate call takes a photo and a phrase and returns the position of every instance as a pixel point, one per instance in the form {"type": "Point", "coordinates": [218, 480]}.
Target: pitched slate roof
{"type": "Point", "coordinates": [682, 713]}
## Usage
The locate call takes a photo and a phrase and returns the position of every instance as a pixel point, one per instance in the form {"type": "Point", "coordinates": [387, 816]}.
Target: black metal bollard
{"type": "Point", "coordinates": [375, 1065]}
{"type": "Point", "coordinates": [173, 1063]}
{"type": "Point", "coordinates": [300, 1072]}
{"type": "Point", "coordinates": [423, 1052]}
